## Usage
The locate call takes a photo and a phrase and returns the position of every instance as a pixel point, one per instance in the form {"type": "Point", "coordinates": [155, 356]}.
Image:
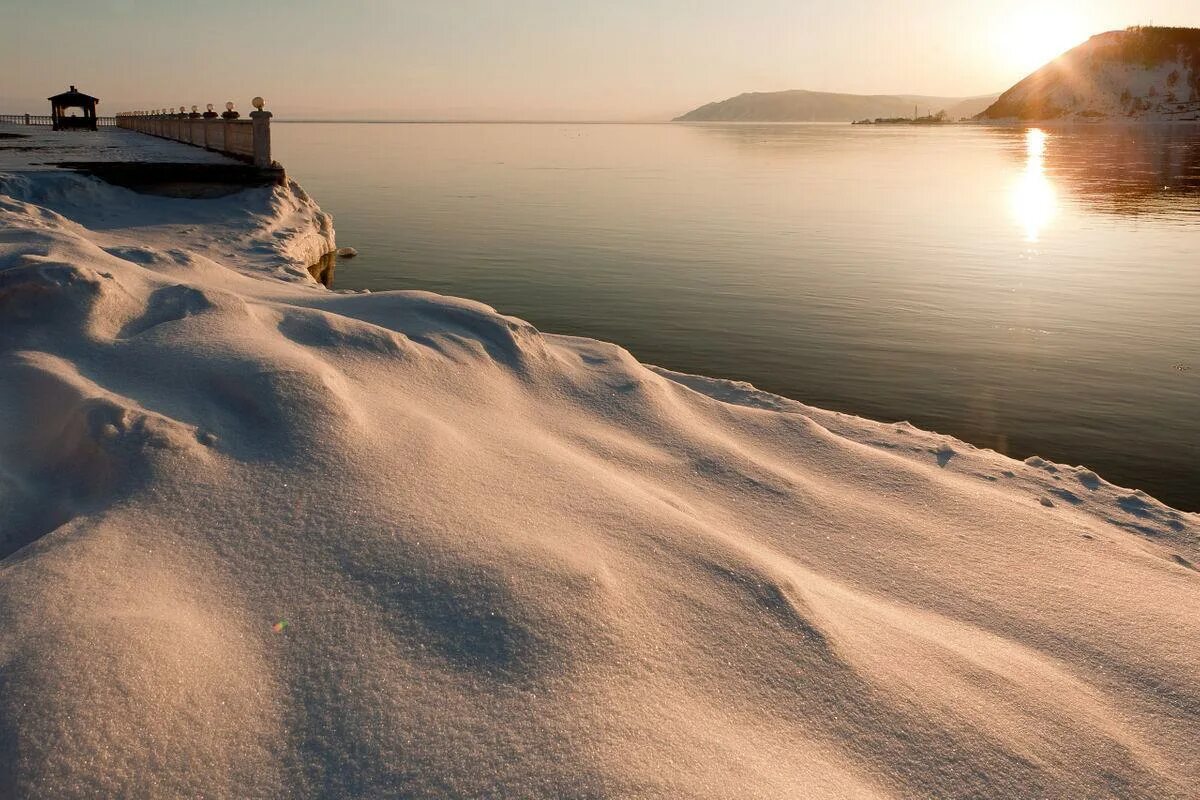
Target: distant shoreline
{"type": "Point", "coordinates": [277, 121]}
{"type": "Point", "coordinates": [992, 123]}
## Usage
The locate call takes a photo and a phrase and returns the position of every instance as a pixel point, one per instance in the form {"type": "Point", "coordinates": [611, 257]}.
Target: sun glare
{"type": "Point", "coordinates": [1033, 199]}
{"type": "Point", "coordinates": [1028, 40]}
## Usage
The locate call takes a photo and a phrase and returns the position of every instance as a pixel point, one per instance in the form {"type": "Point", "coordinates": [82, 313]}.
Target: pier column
{"type": "Point", "coordinates": [262, 134]}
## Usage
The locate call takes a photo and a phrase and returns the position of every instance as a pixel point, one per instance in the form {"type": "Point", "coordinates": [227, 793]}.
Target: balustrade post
{"type": "Point", "coordinates": [262, 133]}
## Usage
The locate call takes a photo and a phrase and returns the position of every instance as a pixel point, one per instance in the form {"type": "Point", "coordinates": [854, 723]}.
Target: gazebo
{"type": "Point", "coordinates": [73, 99]}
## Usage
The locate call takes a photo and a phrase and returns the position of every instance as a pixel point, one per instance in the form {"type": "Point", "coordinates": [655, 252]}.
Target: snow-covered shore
{"type": "Point", "coordinates": [261, 539]}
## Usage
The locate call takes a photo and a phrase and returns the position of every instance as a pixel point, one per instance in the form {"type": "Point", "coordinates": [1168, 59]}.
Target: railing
{"type": "Point", "coordinates": [245, 139]}
{"type": "Point", "coordinates": [39, 119]}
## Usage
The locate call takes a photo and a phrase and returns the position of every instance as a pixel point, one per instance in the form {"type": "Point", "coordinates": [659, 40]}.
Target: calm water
{"type": "Point", "coordinates": [1033, 292]}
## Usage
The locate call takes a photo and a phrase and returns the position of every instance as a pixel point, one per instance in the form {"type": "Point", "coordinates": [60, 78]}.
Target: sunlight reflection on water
{"type": "Point", "coordinates": [1034, 201]}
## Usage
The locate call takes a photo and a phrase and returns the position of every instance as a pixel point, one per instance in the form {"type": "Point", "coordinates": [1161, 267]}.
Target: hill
{"type": "Point", "coordinates": [1150, 74]}
{"type": "Point", "coordinates": [799, 105]}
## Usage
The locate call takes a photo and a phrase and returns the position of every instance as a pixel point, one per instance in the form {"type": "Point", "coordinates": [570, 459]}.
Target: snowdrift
{"type": "Point", "coordinates": [261, 539]}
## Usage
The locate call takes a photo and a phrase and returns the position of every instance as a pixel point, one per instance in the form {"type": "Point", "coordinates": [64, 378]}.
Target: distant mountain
{"type": "Point", "coordinates": [1150, 74]}
{"type": "Point", "coordinates": [799, 105]}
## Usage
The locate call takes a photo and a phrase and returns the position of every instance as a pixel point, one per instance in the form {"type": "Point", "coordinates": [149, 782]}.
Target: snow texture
{"type": "Point", "coordinates": [264, 540]}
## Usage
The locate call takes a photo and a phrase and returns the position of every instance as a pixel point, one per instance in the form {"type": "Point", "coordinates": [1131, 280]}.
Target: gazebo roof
{"type": "Point", "coordinates": [72, 96]}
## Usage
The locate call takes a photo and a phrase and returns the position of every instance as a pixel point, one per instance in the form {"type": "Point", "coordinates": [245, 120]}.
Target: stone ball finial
{"type": "Point", "coordinates": [229, 106]}
{"type": "Point", "coordinates": [258, 103]}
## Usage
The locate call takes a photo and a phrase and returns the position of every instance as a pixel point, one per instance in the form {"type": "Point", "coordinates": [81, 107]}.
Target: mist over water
{"type": "Point", "coordinates": [1036, 292]}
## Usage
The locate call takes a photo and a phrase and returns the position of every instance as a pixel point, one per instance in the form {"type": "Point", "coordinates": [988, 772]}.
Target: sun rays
{"type": "Point", "coordinates": [1029, 38]}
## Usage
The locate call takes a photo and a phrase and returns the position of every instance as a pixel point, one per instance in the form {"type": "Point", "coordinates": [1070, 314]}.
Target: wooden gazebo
{"type": "Point", "coordinates": [73, 99]}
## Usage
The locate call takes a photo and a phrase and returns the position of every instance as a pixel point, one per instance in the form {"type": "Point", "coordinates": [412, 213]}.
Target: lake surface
{"type": "Point", "coordinates": [1036, 292]}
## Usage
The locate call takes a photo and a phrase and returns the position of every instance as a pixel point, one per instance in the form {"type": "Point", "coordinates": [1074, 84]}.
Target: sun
{"type": "Point", "coordinates": [1027, 39]}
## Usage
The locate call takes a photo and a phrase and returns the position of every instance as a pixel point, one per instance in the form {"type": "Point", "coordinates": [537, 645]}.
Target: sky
{"type": "Point", "coordinates": [532, 59]}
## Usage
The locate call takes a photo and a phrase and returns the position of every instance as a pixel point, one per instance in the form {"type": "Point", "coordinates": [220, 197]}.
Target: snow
{"type": "Point", "coordinates": [1107, 90]}
{"type": "Point", "coordinates": [276, 231]}
{"type": "Point", "coordinates": [39, 147]}
{"type": "Point", "coordinates": [261, 539]}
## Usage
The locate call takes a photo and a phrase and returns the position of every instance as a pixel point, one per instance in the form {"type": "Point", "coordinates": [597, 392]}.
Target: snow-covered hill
{"type": "Point", "coordinates": [1149, 74]}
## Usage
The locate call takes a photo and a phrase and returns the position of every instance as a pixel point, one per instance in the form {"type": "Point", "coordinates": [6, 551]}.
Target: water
{"type": "Point", "coordinates": [1036, 292]}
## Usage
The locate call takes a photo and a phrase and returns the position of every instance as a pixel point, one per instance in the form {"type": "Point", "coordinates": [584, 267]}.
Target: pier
{"type": "Point", "coordinates": [190, 155]}
{"type": "Point", "coordinates": [243, 139]}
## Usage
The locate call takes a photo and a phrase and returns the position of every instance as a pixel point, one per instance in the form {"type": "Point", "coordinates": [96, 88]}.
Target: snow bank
{"type": "Point", "coordinates": [265, 540]}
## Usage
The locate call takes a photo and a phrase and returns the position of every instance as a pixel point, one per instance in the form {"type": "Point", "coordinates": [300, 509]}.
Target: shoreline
{"type": "Point", "coordinates": [317, 259]}
{"type": "Point", "coordinates": [266, 539]}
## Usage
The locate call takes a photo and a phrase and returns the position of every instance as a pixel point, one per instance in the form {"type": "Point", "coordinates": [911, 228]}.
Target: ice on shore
{"type": "Point", "coordinates": [261, 539]}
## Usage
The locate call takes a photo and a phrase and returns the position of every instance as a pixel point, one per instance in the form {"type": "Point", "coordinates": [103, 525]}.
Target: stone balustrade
{"type": "Point", "coordinates": [244, 139]}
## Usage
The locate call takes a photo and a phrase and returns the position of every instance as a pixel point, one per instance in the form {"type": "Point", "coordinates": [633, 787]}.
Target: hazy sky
{"type": "Point", "coordinates": [523, 59]}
